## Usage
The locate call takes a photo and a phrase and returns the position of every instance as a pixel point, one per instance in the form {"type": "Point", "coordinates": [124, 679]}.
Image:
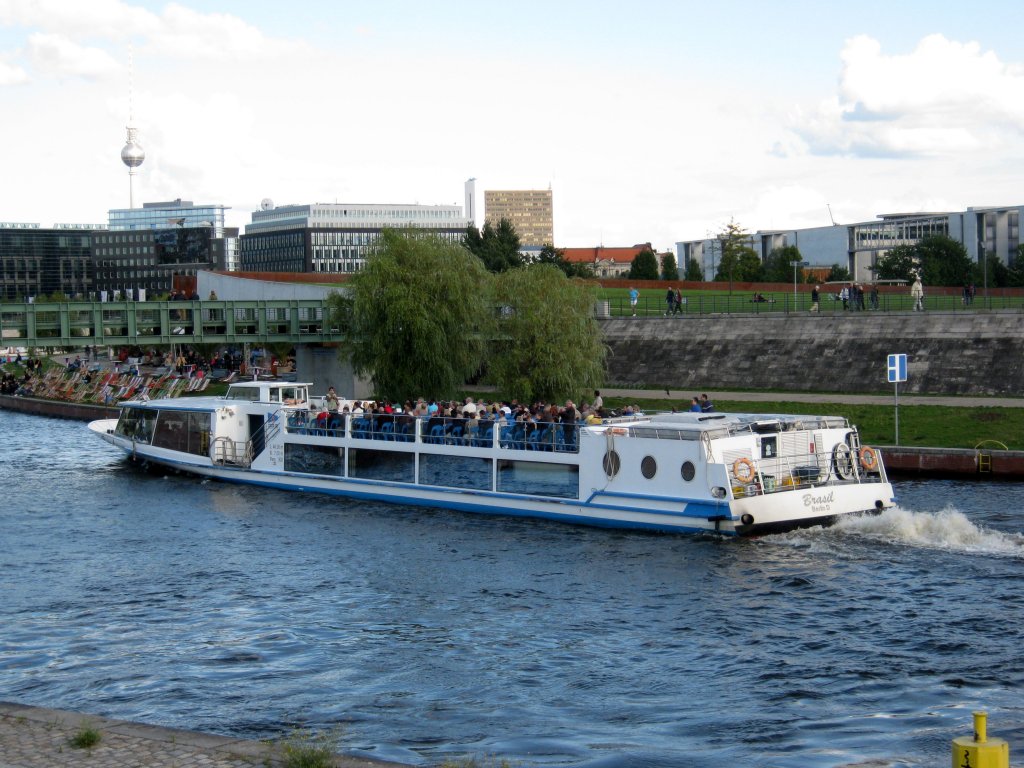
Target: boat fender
{"type": "Point", "coordinates": [747, 519]}
{"type": "Point", "coordinates": [980, 750]}
{"type": "Point", "coordinates": [743, 469]}
{"type": "Point", "coordinates": [869, 458]}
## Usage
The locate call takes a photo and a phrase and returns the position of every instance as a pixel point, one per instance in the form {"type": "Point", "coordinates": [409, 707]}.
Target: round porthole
{"type": "Point", "coordinates": [649, 467]}
{"type": "Point", "coordinates": [611, 463]}
{"type": "Point", "coordinates": [688, 471]}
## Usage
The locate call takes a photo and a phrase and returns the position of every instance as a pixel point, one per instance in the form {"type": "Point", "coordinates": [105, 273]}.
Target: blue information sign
{"type": "Point", "coordinates": [897, 368]}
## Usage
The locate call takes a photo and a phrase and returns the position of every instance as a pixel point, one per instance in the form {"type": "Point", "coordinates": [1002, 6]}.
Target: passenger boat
{"type": "Point", "coordinates": [733, 474]}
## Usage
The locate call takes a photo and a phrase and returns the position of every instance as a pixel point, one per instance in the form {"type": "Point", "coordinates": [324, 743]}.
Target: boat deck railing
{"type": "Point", "coordinates": [405, 428]}
{"type": "Point", "coordinates": [783, 473]}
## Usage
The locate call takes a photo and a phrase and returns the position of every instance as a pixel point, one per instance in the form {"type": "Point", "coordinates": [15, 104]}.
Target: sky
{"type": "Point", "coordinates": [650, 121]}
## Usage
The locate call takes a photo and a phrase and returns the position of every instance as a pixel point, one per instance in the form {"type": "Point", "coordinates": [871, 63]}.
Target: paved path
{"type": "Point", "coordinates": [34, 737]}
{"type": "Point", "coordinates": [813, 397]}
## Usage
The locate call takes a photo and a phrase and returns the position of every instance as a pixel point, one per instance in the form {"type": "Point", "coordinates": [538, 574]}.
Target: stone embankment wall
{"type": "Point", "coordinates": [963, 353]}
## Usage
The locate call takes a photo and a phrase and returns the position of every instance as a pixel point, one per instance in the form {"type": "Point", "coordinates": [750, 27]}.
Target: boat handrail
{"type": "Point", "coordinates": [438, 430]}
{"type": "Point", "coordinates": [797, 471]}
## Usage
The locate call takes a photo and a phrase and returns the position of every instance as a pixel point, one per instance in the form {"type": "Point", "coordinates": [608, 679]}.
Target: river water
{"type": "Point", "coordinates": [422, 635]}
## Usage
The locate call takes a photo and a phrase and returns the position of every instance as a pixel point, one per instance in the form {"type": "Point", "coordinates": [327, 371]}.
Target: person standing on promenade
{"type": "Point", "coordinates": [814, 299]}
{"type": "Point", "coordinates": [917, 294]}
{"type": "Point", "coordinates": [634, 295]}
{"type": "Point", "coordinates": [670, 300]}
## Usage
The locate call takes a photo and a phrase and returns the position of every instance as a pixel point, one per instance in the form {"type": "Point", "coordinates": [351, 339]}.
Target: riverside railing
{"type": "Point", "coordinates": [784, 303]}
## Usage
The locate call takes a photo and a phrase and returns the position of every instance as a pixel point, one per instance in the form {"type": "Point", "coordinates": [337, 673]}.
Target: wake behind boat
{"type": "Point", "coordinates": [735, 474]}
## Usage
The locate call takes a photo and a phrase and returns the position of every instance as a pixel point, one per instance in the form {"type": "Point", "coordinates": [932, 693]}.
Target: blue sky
{"type": "Point", "coordinates": [651, 121]}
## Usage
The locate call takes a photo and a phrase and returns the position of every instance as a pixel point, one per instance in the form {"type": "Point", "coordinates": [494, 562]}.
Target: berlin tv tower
{"type": "Point", "coordinates": [133, 154]}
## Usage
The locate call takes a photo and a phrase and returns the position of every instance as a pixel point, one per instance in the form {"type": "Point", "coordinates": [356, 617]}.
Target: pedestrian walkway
{"type": "Point", "coordinates": [35, 737]}
{"type": "Point", "coordinates": [814, 397]}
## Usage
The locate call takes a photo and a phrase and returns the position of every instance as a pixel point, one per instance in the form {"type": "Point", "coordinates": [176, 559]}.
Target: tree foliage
{"type": "Point", "coordinates": [740, 264]}
{"type": "Point", "coordinates": [548, 344]}
{"type": "Point", "coordinates": [778, 266]}
{"type": "Point", "coordinates": [939, 259]}
{"type": "Point", "coordinates": [497, 247]}
{"type": "Point", "coordinates": [644, 266]}
{"type": "Point", "coordinates": [694, 271]}
{"type": "Point", "coordinates": [669, 270]}
{"type": "Point", "coordinates": [837, 274]}
{"type": "Point", "coordinates": [738, 260]}
{"type": "Point", "coordinates": [417, 317]}
{"type": "Point", "coordinates": [556, 256]}
{"type": "Point", "coordinates": [424, 315]}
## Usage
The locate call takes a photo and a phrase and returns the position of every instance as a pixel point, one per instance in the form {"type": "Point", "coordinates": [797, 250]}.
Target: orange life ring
{"type": "Point", "coordinates": [743, 469]}
{"type": "Point", "coordinates": [869, 458]}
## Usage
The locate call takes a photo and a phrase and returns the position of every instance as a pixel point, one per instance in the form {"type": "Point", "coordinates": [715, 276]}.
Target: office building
{"type": "Point", "coordinates": [529, 210]}
{"type": "Point", "coordinates": [145, 249]}
{"type": "Point", "coordinates": [40, 261]}
{"type": "Point", "coordinates": [982, 231]}
{"type": "Point", "coordinates": [335, 237]}
{"type": "Point", "coordinates": [470, 209]}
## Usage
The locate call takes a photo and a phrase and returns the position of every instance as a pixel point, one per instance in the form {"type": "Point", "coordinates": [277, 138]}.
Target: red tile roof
{"type": "Point", "coordinates": [600, 253]}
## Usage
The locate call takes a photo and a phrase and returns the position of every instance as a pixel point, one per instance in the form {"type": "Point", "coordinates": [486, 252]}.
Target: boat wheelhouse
{"type": "Point", "coordinates": [742, 474]}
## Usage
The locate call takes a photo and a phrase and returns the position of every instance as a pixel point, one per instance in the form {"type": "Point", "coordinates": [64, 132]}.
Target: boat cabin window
{"type": "Point", "coordinates": [241, 392]}
{"type": "Point", "coordinates": [293, 395]}
{"type": "Point", "coordinates": [136, 423]}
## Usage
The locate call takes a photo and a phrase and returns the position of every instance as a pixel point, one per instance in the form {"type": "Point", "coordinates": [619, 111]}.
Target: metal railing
{"type": "Point", "coordinates": [795, 472]}
{"type": "Point", "coordinates": [775, 303]}
{"type": "Point", "coordinates": [404, 428]}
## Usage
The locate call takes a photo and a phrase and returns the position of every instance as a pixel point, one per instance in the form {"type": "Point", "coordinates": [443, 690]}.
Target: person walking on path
{"type": "Point", "coordinates": [917, 294]}
{"type": "Point", "coordinates": [634, 294]}
{"type": "Point", "coordinates": [814, 299]}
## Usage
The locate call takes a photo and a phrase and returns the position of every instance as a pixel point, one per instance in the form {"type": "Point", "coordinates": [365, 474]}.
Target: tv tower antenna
{"type": "Point", "coordinates": [132, 155]}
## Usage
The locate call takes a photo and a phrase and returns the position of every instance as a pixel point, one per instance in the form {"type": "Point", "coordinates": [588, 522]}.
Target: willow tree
{"type": "Point", "coordinates": [416, 319]}
{"type": "Point", "coordinates": [548, 345]}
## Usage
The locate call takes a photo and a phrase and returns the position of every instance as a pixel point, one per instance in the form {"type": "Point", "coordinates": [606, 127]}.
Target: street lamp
{"type": "Point", "coordinates": [795, 265]}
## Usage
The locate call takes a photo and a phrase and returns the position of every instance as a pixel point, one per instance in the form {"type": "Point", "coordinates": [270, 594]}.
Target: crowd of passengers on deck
{"type": "Point", "coordinates": [541, 425]}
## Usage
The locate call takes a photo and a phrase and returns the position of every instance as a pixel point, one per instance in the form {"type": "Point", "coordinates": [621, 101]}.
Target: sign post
{"type": "Point", "coordinates": [897, 372]}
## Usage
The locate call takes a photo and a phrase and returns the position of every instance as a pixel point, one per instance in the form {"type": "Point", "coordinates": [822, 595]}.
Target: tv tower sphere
{"type": "Point", "coordinates": [133, 154]}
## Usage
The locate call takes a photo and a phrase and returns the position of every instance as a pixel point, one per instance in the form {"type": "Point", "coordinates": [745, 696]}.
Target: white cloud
{"type": "Point", "coordinates": [11, 74]}
{"type": "Point", "coordinates": [106, 19]}
{"type": "Point", "coordinates": [943, 98]}
{"type": "Point", "coordinates": [176, 32]}
{"type": "Point", "coordinates": [185, 33]}
{"type": "Point", "coordinates": [54, 54]}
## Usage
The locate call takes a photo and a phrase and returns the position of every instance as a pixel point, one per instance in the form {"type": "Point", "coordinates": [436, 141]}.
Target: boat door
{"type": "Point", "coordinates": [257, 439]}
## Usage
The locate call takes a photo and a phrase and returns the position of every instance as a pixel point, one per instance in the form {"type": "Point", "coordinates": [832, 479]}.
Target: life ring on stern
{"type": "Point", "coordinates": [868, 458]}
{"type": "Point", "coordinates": [743, 469]}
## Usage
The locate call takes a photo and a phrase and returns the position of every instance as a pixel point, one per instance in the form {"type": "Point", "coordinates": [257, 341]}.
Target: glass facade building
{"type": "Point", "coordinates": [37, 261]}
{"type": "Point", "coordinates": [174, 213]}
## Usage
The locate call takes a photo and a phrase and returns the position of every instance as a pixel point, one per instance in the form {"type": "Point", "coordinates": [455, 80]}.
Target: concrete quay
{"type": "Point", "coordinates": [36, 737]}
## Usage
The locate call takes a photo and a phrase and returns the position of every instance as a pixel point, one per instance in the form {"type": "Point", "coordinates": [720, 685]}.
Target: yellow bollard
{"type": "Point", "coordinates": [980, 751]}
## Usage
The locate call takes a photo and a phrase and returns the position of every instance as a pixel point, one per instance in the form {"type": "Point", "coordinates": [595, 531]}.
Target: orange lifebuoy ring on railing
{"type": "Point", "coordinates": [869, 458]}
{"type": "Point", "coordinates": [743, 469]}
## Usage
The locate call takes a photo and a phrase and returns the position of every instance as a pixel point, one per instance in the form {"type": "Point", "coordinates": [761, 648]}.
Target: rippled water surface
{"type": "Point", "coordinates": [429, 634]}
